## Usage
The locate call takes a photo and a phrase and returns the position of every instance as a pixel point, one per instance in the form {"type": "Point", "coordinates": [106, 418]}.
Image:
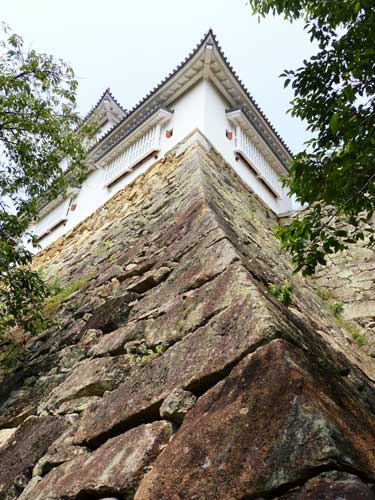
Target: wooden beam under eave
{"type": "Point", "coordinates": [207, 61]}
{"type": "Point", "coordinates": [222, 89]}
{"type": "Point", "coordinates": [184, 88]}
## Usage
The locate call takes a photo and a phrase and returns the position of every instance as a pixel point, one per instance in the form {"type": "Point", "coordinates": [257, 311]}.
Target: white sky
{"type": "Point", "coordinates": [130, 45]}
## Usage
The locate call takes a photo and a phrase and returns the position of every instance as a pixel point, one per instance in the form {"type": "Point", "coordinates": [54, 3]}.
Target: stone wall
{"type": "Point", "coordinates": [174, 373]}
{"type": "Point", "coordinates": [349, 279]}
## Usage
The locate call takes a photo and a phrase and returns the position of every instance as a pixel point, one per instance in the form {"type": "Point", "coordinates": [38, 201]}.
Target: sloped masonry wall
{"type": "Point", "coordinates": [349, 279]}
{"type": "Point", "coordinates": [174, 373]}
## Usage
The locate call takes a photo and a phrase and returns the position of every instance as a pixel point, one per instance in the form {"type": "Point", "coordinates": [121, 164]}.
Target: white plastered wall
{"type": "Point", "coordinates": [201, 107]}
{"type": "Point", "coordinates": [215, 126]}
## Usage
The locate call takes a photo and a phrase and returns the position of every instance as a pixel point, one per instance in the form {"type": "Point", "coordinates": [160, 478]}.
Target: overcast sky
{"type": "Point", "coordinates": [130, 45]}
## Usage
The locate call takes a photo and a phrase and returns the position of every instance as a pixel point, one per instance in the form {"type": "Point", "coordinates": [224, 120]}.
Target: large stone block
{"type": "Point", "coordinates": [332, 486]}
{"type": "Point", "coordinates": [5, 435]}
{"type": "Point", "coordinates": [193, 363]}
{"type": "Point", "coordinates": [23, 450]}
{"type": "Point", "coordinates": [113, 469]}
{"type": "Point", "coordinates": [273, 422]}
{"type": "Point", "coordinates": [91, 377]}
{"type": "Point", "coordinates": [360, 309]}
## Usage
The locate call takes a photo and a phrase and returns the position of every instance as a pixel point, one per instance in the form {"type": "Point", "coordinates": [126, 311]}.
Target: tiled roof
{"type": "Point", "coordinates": [247, 92]}
{"type": "Point", "coordinates": [156, 88]}
{"type": "Point", "coordinates": [133, 126]}
{"type": "Point", "coordinates": [107, 92]}
{"type": "Point", "coordinates": [209, 35]}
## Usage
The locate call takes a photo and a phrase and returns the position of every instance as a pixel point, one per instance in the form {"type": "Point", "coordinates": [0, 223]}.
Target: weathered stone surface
{"type": "Point", "coordinates": [363, 309]}
{"type": "Point", "coordinates": [113, 272]}
{"type": "Point", "coordinates": [176, 405]}
{"type": "Point", "coordinates": [196, 361]}
{"type": "Point", "coordinates": [77, 405]}
{"type": "Point", "coordinates": [30, 485]}
{"type": "Point", "coordinates": [272, 421]}
{"type": "Point", "coordinates": [65, 439]}
{"type": "Point", "coordinates": [91, 377]}
{"type": "Point", "coordinates": [112, 314]}
{"type": "Point", "coordinates": [70, 356]}
{"type": "Point", "coordinates": [113, 469]}
{"type": "Point", "coordinates": [5, 435]}
{"type": "Point", "coordinates": [114, 342]}
{"type": "Point", "coordinates": [199, 250]}
{"type": "Point", "coordinates": [57, 457]}
{"type": "Point", "coordinates": [17, 405]}
{"type": "Point", "coordinates": [91, 338]}
{"type": "Point", "coordinates": [149, 280]}
{"type": "Point", "coordinates": [332, 486]}
{"type": "Point", "coordinates": [27, 445]}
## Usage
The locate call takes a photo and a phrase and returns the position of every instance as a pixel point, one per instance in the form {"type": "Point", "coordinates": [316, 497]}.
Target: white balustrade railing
{"type": "Point", "coordinates": [133, 154]}
{"type": "Point", "coordinates": [245, 146]}
{"type": "Point", "coordinates": [52, 219]}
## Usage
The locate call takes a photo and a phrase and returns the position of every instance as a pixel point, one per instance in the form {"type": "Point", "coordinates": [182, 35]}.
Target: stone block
{"type": "Point", "coordinates": [91, 377]}
{"type": "Point", "coordinates": [114, 469]}
{"type": "Point", "coordinates": [23, 450]}
{"type": "Point", "coordinates": [176, 405]}
{"type": "Point", "coordinates": [268, 425]}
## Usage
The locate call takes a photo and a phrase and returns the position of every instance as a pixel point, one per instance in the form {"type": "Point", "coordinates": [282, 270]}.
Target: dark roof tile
{"type": "Point", "coordinates": [100, 100]}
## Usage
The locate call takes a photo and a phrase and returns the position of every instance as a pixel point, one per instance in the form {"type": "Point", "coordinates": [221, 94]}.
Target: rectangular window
{"type": "Point", "coordinates": [137, 151]}
{"type": "Point", "coordinates": [251, 154]}
{"type": "Point", "coordinates": [53, 218]}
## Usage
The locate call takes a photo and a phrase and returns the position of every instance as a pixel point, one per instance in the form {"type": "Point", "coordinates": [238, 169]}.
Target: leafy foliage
{"type": "Point", "coordinates": [358, 337]}
{"type": "Point", "coordinates": [336, 308]}
{"type": "Point", "coordinates": [334, 94]}
{"type": "Point", "coordinates": [283, 292]}
{"type": "Point", "coordinates": [41, 152]}
{"type": "Point", "coordinates": [11, 352]}
{"type": "Point", "coordinates": [144, 353]}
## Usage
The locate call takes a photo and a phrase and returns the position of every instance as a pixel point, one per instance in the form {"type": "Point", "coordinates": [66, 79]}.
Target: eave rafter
{"type": "Point", "coordinates": [207, 60]}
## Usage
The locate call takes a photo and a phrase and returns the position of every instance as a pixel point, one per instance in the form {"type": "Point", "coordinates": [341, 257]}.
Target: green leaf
{"type": "Point", "coordinates": [38, 129]}
{"type": "Point", "coordinates": [334, 122]}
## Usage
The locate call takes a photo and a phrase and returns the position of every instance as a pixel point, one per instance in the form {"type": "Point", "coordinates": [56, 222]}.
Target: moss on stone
{"type": "Point", "coordinates": [354, 331]}
{"type": "Point", "coordinates": [64, 293]}
{"type": "Point", "coordinates": [323, 293]}
{"type": "Point", "coordinates": [337, 309]}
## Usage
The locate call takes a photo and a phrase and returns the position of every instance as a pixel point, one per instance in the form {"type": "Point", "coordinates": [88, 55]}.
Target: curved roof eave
{"type": "Point", "coordinates": [107, 93]}
{"type": "Point", "coordinates": [209, 37]}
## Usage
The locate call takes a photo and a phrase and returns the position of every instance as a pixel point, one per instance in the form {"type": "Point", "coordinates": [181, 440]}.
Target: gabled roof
{"type": "Point", "coordinates": [206, 61]}
{"type": "Point", "coordinates": [107, 107]}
